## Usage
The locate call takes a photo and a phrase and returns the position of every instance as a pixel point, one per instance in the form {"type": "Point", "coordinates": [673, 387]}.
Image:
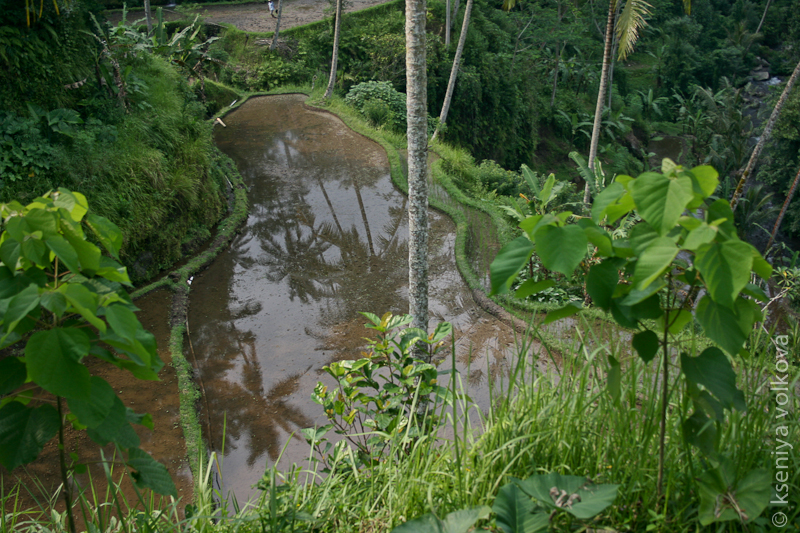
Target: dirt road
{"type": "Point", "coordinates": [255, 16]}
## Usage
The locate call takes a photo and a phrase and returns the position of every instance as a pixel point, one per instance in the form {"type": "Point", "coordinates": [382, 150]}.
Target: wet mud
{"type": "Point", "coordinates": [255, 17]}
{"type": "Point", "coordinates": [325, 239]}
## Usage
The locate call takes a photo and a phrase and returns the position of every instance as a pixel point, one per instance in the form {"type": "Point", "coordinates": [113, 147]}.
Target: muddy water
{"type": "Point", "coordinates": [326, 238]}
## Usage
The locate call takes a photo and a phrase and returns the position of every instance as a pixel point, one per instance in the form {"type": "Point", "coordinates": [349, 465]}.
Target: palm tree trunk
{"type": "Point", "coordinates": [764, 137]}
{"type": "Point", "coordinates": [332, 79]}
{"type": "Point", "coordinates": [447, 24]}
{"type": "Point", "coordinates": [417, 133]}
{"type": "Point", "coordinates": [147, 16]}
{"type": "Point", "coordinates": [555, 75]}
{"type": "Point", "coordinates": [763, 17]}
{"type": "Point", "coordinates": [598, 113]}
{"type": "Point", "coordinates": [783, 211]}
{"type": "Point", "coordinates": [451, 85]}
{"type": "Point", "coordinates": [277, 26]}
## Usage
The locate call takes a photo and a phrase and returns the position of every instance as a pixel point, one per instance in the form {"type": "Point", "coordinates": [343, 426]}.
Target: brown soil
{"type": "Point", "coordinates": [40, 479]}
{"type": "Point", "coordinates": [255, 17]}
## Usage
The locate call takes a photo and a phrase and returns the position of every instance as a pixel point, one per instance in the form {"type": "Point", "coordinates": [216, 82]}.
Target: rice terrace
{"type": "Point", "coordinates": [400, 266]}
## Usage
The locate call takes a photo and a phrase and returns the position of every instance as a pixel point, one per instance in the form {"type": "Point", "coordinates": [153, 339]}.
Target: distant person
{"type": "Point", "coordinates": [272, 9]}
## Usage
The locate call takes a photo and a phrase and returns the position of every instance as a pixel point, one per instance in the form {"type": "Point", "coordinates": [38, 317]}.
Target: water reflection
{"type": "Point", "coordinates": [326, 238]}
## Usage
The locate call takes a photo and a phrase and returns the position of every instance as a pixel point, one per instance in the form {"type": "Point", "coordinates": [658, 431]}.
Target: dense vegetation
{"type": "Point", "coordinates": [98, 114]}
{"type": "Point", "coordinates": [133, 138]}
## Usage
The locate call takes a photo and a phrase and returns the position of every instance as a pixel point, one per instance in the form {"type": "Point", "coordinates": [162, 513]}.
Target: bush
{"type": "Point", "coordinates": [374, 98]}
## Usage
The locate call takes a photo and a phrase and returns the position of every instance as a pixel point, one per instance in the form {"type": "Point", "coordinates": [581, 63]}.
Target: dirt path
{"type": "Point", "coordinates": [255, 16]}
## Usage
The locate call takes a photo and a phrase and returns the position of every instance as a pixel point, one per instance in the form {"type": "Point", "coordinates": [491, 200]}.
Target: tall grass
{"type": "Point", "coordinates": [562, 419]}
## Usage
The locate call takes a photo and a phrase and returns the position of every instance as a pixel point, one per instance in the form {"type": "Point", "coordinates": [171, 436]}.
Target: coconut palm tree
{"type": "Point", "coordinates": [417, 133]}
{"type": "Point", "coordinates": [454, 72]}
{"type": "Point", "coordinates": [764, 136]}
{"type": "Point", "coordinates": [631, 20]}
{"type": "Point", "coordinates": [337, 29]}
{"type": "Point", "coordinates": [789, 196]}
{"type": "Point", "coordinates": [277, 26]}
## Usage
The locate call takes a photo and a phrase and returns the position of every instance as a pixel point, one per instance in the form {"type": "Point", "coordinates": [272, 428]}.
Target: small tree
{"type": "Point", "coordinates": [647, 287]}
{"type": "Point", "coordinates": [66, 301]}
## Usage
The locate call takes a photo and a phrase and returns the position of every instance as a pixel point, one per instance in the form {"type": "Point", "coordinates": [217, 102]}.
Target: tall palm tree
{"type": "Point", "coordinates": [454, 72]}
{"type": "Point", "coordinates": [417, 133]}
{"type": "Point", "coordinates": [332, 79]}
{"type": "Point", "coordinates": [631, 20]}
{"type": "Point", "coordinates": [789, 196]}
{"type": "Point", "coordinates": [277, 26]}
{"type": "Point", "coordinates": [764, 136]}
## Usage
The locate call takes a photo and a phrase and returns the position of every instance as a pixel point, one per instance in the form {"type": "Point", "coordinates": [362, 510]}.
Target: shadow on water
{"type": "Point", "coordinates": [325, 239]}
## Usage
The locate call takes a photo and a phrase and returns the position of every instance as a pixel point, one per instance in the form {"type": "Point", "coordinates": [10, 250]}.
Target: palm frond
{"type": "Point", "coordinates": [630, 21]}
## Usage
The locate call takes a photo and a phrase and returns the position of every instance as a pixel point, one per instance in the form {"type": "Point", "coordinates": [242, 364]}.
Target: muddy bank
{"type": "Point", "coordinates": [255, 17]}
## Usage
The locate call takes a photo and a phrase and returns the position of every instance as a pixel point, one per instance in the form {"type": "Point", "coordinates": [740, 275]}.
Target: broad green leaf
{"type": "Point", "coordinates": [12, 375]}
{"type": "Point", "coordinates": [601, 281]}
{"type": "Point", "coordinates": [620, 208]}
{"type": "Point", "coordinates": [721, 325]}
{"type": "Point", "coordinates": [9, 253]}
{"type": "Point", "coordinates": [725, 267]}
{"type": "Point", "coordinates": [723, 498]}
{"type": "Point", "coordinates": [712, 370]}
{"type": "Point", "coordinates": [514, 511]}
{"type": "Point", "coordinates": [24, 431]}
{"type": "Point", "coordinates": [568, 310]}
{"type": "Point", "coordinates": [149, 473]}
{"type": "Point", "coordinates": [760, 265]}
{"type": "Point", "coordinates": [660, 200]}
{"type": "Point", "coordinates": [756, 292]}
{"type": "Point", "coordinates": [614, 378]}
{"type": "Point", "coordinates": [115, 428]}
{"type": "Point", "coordinates": [20, 305]}
{"type": "Point", "coordinates": [65, 252]}
{"type": "Point", "coordinates": [107, 233]}
{"type": "Point", "coordinates": [41, 220]}
{"type": "Point", "coordinates": [641, 236]}
{"type": "Point", "coordinates": [531, 223]}
{"type": "Point", "coordinates": [561, 249]}
{"type": "Point", "coordinates": [54, 302]}
{"type": "Point", "coordinates": [608, 196]}
{"type": "Point", "coordinates": [594, 499]}
{"type": "Point", "coordinates": [700, 431]}
{"type": "Point", "coordinates": [707, 178]}
{"type": "Point", "coordinates": [646, 344]}
{"type": "Point", "coordinates": [92, 411]}
{"type": "Point", "coordinates": [689, 222]}
{"type": "Point", "coordinates": [547, 188]}
{"type": "Point", "coordinates": [505, 267]}
{"type": "Point", "coordinates": [639, 295]}
{"type": "Point", "coordinates": [649, 308]}
{"type": "Point", "coordinates": [598, 237]}
{"type": "Point", "coordinates": [532, 287]}
{"type": "Point", "coordinates": [699, 236]}
{"type": "Point", "coordinates": [111, 270]}
{"type": "Point", "coordinates": [653, 262]}
{"type": "Point", "coordinates": [123, 321]}
{"type": "Point", "coordinates": [677, 321]}
{"type": "Point", "coordinates": [623, 314]}
{"type": "Point", "coordinates": [74, 202]}
{"type": "Point", "coordinates": [84, 302]}
{"type": "Point", "coordinates": [88, 253]}
{"type": "Point", "coordinates": [35, 251]}
{"type": "Point", "coordinates": [53, 359]}
{"type": "Point", "coordinates": [721, 210]}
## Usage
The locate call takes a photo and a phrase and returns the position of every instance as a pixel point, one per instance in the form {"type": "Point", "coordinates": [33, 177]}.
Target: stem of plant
{"type": "Point", "coordinates": [664, 396]}
{"type": "Point", "coordinates": [63, 463]}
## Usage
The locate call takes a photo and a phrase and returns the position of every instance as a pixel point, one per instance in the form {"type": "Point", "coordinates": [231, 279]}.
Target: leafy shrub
{"type": "Point", "coordinates": [374, 93]}
{"type": "Point", "coordinates": [24, 152]}
{"type": "Point", "coordinates": [493, 177]}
